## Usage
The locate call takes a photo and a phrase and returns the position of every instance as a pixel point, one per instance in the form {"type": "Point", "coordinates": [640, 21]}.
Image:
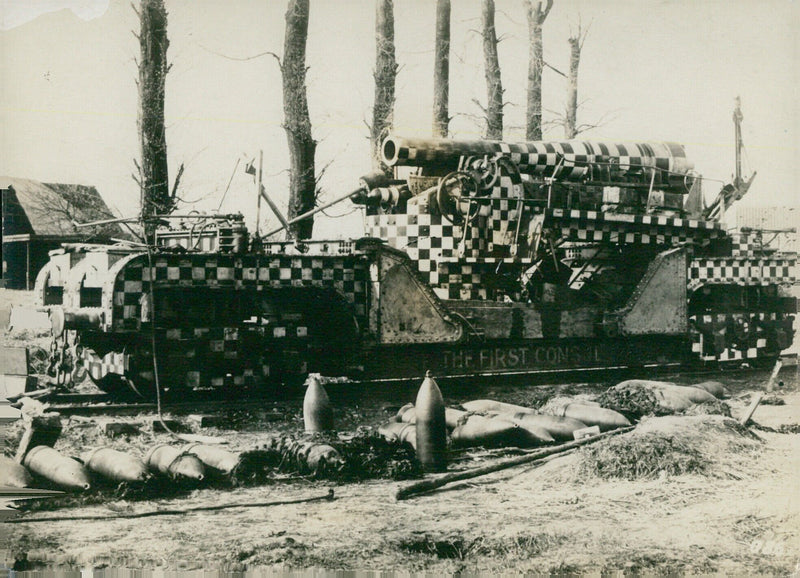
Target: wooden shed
{"type": "Point", "coordinates": [38, 217]}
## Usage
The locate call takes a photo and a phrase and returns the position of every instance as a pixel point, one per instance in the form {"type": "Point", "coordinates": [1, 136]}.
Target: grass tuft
{"type": "Point", "coordinates": [446, 548]}
{"type": "Point", "coordinates": [648, 456]}
{"type": "Point", "coordinates": [710, 445]}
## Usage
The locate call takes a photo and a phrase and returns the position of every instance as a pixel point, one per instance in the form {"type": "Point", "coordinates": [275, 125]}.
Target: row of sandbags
{"type": "Point", "coordinates": [490, 423]}
{"type": "Point", "coordinates": [639, 397]}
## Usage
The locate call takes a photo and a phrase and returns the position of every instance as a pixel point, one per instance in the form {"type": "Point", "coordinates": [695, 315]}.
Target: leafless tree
{"type": "Point", "coordinates": [385, 75]}
{"type": "Point", "coordinates": [441, 70]}
{"type": "Point", "coordinates": [533, 115]}
{"type": "Point", "coordinates": [297, 123]}
{"type": "Point", "coordinates": [494, 86]}
{"type": "Point", "coordinates": [60, 208]}
{"type": "Point", "coordinates": [571, 119]}
{"type": "Point", "coordinates": [153, 171]}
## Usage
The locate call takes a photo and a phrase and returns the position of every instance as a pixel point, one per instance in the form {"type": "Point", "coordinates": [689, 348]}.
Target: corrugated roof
{"type": "Point", "coordinates": [51, 207]}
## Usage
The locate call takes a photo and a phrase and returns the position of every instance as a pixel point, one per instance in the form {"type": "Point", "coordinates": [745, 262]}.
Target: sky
{"type": "Point", "coordinates": [651, 70]}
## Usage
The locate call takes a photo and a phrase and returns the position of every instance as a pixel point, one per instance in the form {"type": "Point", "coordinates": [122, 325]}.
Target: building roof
{"type": "Point", "coordinates": [50, 209]}
{"type": "Point", "coordinates": [781, 222]}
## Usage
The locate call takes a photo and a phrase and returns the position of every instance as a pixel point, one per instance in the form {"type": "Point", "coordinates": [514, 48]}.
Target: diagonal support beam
{"type": "Point", "coordinates": [276, 210]}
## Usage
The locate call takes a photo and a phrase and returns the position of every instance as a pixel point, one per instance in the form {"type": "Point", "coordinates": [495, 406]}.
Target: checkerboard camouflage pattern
{"type": "Point", "coordinates": [225, 315]}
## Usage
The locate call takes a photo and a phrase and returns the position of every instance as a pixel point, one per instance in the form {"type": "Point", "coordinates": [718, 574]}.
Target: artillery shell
{"type": "Point", "coordinates": [403, 432]}
{"type": "Point", "coordinates": [317, 409]}
{"type": "Point", "coordinates": [715, 388]}
{"type": "Point", "coordinates": [116, 465]}
{"type": "Point", "coordinates": [536, 434]}
{"type": "Point", "coordinates": [173, 462]}
{"type": "Point", "coordinates": [605, 419]}
{"type": "Point", "coordinates": [453, 417]}
{"type": "Point", "coordinates": [59, 469]}
{"type": "Point", "coordinates": [305, 455]}
{"type": "Point", "coordinates": [316, 455]}
{"type": "Point", "coordinates": [478, 430]}
{"type": "Point", "coordinates": [431, 426]}
{"type": "Point", "coordinates": [559, 427]}
{"type": "Point", "coordinates": [12, 474]}
{"type": "Point", "coordinates": [214, 457]}
{"type": "Point", "coordinates": [695, 394]}
{"type": "Point", "coordinates": [481, 405]}
{"type": "Point", "coordinates": [407, 414]}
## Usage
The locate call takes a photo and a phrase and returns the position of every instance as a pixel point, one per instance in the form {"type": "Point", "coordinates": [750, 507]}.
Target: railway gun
{"type": "Point", "coordinates": [479, 258]}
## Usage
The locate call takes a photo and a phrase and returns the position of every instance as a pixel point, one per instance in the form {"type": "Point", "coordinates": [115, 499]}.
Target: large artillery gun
{"type": "Point", "coordinates": [479, 257]}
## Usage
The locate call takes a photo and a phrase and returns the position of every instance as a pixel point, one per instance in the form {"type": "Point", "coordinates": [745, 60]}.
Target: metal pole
{"type": "Point", "coordinates": [258, 191]}
{"type": "Point", "coordinates": [737, 123]}
{"type": "Point", "coordinates": [315, 211]}
{"type": "Point", "coordinates": [106, 222]}
{"type": "Point", "coordinates": [158, 217]}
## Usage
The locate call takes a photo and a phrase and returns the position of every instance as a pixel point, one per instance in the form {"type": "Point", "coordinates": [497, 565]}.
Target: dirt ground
{"type": "Point", "coordinates": [742, 519]}
{"type": "Point", "coordinates": [741, 516]}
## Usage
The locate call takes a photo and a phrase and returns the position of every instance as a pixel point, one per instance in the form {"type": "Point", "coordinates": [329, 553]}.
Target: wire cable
{"type": "Point", "coordinates": [154, 356]}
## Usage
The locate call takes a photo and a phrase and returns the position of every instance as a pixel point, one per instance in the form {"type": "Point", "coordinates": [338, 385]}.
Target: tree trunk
{"type": "Point", "coordinates": [302, 147]}
{"type": "Point", "coordinates": [533, 114]}
{"type": "Point", "coordinates": [571, 119]}
{"type": "Point", "coordinates": [441, 70]}
{"type": "Point", "coordinates": [385, 75]}
{"type": "Point", "coordinates": [154, 178]}
{"type": "Point", "coordinates": [494, 87]}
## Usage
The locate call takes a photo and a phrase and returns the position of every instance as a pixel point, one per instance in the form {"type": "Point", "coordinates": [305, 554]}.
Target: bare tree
{"type": "Point", "coordinates": [571, 119]}
{"type": "Point", "coordinates": [67, 205]}
{"type": "Point", "coordinates": [494, 87]}
{"type": "Point", "coordinates": [441, 70]}
{"type": "Point", "coordinates": [385, 75]}
{"type": "Point", "coordinates": [153, 170]}
{"type": "Point", "coordinates": [533, 115]}
{"type": "Point", "coordinates": [297, 123]}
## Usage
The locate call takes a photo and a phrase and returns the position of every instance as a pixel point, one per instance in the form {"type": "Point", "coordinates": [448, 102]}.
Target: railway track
{"type": "Point", "coordinates": [353, 393]}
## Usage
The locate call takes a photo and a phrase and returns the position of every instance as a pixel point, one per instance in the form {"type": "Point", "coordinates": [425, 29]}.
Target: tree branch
{"type": "Point", "coordinates": [177, 180]}
{"type": "Point", "coordinates": [554, 69]}
{"type": "Point", "coordinates": [245, 58]}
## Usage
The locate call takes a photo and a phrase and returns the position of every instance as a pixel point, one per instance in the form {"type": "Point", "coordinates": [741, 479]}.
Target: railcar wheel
{"type": "Point", "coordinates": [115, 385]}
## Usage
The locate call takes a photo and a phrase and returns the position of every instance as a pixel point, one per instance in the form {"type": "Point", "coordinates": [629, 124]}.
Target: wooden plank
{"type": "Point", "coordinates": [14, 360]}
{"type": "Point", "coordinates": [775, 371]}
{"type": "Point", "coordinates": [750, 410]}
{"type": "Point", "coordinates": [429, 485]}
{"type": "Point", "coordinates": [15, 385]}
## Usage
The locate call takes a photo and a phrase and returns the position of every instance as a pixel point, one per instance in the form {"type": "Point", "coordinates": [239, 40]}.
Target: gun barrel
{"type": "Point", "coordinates": [565, 160]}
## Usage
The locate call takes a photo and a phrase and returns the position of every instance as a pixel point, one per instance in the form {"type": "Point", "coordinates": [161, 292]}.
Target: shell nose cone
{"type": "Point", "coordinates": [431, 426]}
{"type": "Point", "coordinates": [317, 409]}
{"type": "Point", "coordinates": [188, 466]}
